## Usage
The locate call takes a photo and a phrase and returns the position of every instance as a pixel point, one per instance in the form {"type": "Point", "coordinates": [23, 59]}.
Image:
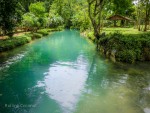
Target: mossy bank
{"type": "Point", "coordinates": [13, 42]}
{"type": "Point", "coordinates": [123, 47]}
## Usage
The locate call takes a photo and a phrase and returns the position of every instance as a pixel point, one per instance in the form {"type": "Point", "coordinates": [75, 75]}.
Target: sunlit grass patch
{"type": "Point", "coordinates": [122, 30]}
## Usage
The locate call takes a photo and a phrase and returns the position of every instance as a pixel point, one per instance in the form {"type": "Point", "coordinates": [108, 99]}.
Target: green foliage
{"type": "Point", "coordinates": [126, 56]}
{"type": "Point", "coordinates": [80, 19]}
{"type": "Point", "coordinates": [55, 14]}
{"type": "Point", "coordinates": [129, 48]}
{"type": "Point", "coordinates": [91, 36]}
{"type": "Point", "coordinates": [123, 7]}
{"type": "Point", "coordinates": [73, 14]}
{"type": "Point", "coordinates": [13, 42]}
{"type": "Point", "coordinates": [55, 20]}
{"type": "Point", "coordinates": [37, 9]}
{"type": "Point", "coordinates": [30, 20]}
{"type": "Point", "coordinates": [124, 31]}
{"type": "Point", "coordinates": [36, 35]}
{"type": "Point", "coordinates": [37, 17]}
{"type": "Point", "coordinates": [44, 32]}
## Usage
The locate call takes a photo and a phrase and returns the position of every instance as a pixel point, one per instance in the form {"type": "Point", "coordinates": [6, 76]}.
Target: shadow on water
{"type": "Point", "coordinates": [62, 73]}
{"type": "Point", "coordinates": [116, 88]}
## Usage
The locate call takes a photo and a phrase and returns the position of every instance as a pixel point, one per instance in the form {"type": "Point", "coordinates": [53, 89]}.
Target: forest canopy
{"type": "Point", "coordinates": [76, 14]}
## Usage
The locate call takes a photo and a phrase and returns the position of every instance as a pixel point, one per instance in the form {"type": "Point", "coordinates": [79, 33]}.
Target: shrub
{"type": "Point", "coordinates": [36, 35]}
{"type": "Point", "coordinates": [129, 48]}
{"type": "Point", "coordinates": [44, 32]}
{"type": "Point", "coordinates": [128, 56]}
{"type": "Point", "coordinates": [91, 36]}
{"type": "Point", "coordinates": [13, 42]}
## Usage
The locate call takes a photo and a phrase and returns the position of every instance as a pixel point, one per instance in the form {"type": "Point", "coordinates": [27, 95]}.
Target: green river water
{"type": "Point", "coordinates": [63, 73]}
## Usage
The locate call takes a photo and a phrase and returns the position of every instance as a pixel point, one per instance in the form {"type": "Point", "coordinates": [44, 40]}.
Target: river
{"type": "Point", "coordinates": [63, 73]}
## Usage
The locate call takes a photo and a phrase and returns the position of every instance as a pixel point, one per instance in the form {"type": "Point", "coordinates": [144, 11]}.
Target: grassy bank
{"type": "Point", "coordinates": [121, 30]}
{"type": "Point", "coordinates": [124, 47]}
{"type": "Point", "coordinates": [13, 42]}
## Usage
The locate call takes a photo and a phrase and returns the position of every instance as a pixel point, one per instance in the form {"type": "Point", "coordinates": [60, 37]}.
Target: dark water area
{"type": "Point", "coordinates": [63, 73]}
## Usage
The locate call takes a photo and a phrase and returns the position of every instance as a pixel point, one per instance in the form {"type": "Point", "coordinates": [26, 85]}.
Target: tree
{"type": "Point", "coordinates": [143, 13]}
{"type": "Point", "coordinates": [26, 3]}
{"type": "Point", "coordinates": [55, 14]}
{"type": "Point", "coordinates": [64, 8]}
{"type": "Point", "coordinates": [95, 8]}
{"type": "Point", "coordinates": [30, 21]}
{"type": "Point", "coordinates": [147, 12]}
{"type": "Point", "coordinates": [37, 9]}
{"type": "Point", "coordinates": [7, 16]}
{"type": "Point", "coordinates": [37, 17]}
{"type": "Point", "coordinates": [80, 19]}
{"type": "Point", "coordinates": [123, 7]}
{"type": "Point", "coordinates": [55, 20]}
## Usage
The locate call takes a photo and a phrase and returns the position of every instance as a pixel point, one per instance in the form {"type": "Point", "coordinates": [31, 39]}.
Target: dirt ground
{"type": "Point", "coordinates": [16, 34]}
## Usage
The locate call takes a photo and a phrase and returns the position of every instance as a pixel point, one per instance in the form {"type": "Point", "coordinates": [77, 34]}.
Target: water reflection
{"type": "Point", "coordinates": [115, 90]}
{"type": "Point", "coordinates": [64, 82]}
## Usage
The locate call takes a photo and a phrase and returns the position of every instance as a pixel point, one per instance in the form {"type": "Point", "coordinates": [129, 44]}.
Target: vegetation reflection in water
{"type": "Point", "coordinates": [63, 73]}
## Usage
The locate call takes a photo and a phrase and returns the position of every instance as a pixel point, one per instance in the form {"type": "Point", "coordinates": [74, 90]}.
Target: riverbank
{"type": "Point", "coordinates": [120, 47]}
{"type": "Point", "coordinates": [63, 73]}
{"type": "Point", "coordinates": [9, 43]}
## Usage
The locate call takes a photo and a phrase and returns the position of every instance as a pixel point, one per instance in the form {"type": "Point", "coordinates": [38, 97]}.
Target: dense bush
{"type": "Point", "coordinates": [126, 56]}
{"type": "Point", "coordinates": [36, 35]}
{"type": "Point", "coordinates": [44, 32]}
{"type": "Point", "coordinates": [91, 36]}
{"type": "Point", "coordinates": [13, 42]}
{"type": "Point", "coordinates": [129, 48]}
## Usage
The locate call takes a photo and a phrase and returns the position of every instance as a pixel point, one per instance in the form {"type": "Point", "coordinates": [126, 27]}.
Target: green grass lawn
{"type": "Point", "coordinates": [122, 30]}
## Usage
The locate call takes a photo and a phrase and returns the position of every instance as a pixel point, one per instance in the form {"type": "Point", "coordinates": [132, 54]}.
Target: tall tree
{"type": "Point", "coordinates": [95, 8]}
{"type": "Point", "coordinates": [7, 15]}
{"type": "Point", "coordinates": [143, 13]}
{"type": "Point", "coordinates": [147, 12]}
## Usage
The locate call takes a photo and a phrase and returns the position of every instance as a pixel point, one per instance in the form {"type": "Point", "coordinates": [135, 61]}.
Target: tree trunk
{"type": "Point", "coordinates": [147, 15]}
{"type": "Point", "coordinates": [94, 9]}
{"type": "Point", "coordinates": [146, 23]}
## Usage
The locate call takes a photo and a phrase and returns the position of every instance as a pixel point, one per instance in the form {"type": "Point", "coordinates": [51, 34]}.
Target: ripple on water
{"type": "Point", "coordinates": [12, 60]}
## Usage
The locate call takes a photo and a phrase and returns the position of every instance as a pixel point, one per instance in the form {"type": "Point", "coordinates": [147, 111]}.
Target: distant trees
{"type": "Point", "coordinates": [123, 7]}
{"type": "Point", "coordinates": [78, 14]}
{"type": "Point", "coordinates": [143, 13]}
{"type": "Point", "coordinates": [30, 22]}
{"type": "Point", "coordinates": [64, 8]}
{"type": "Point", "coordinates": [80, 18]}
{"type": "Point", "coordinates": [55, 13]}
{"type": "Point", "coordinates": [147, 12]}
{"type": "Point", "coordinates": [37, 9]}
{"type": "Point", "coordinates": [71, 13]}
{"type": "Point", "coordinates": [26, 3]}
{"type": "Point", "coordinates": [36, 17]}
